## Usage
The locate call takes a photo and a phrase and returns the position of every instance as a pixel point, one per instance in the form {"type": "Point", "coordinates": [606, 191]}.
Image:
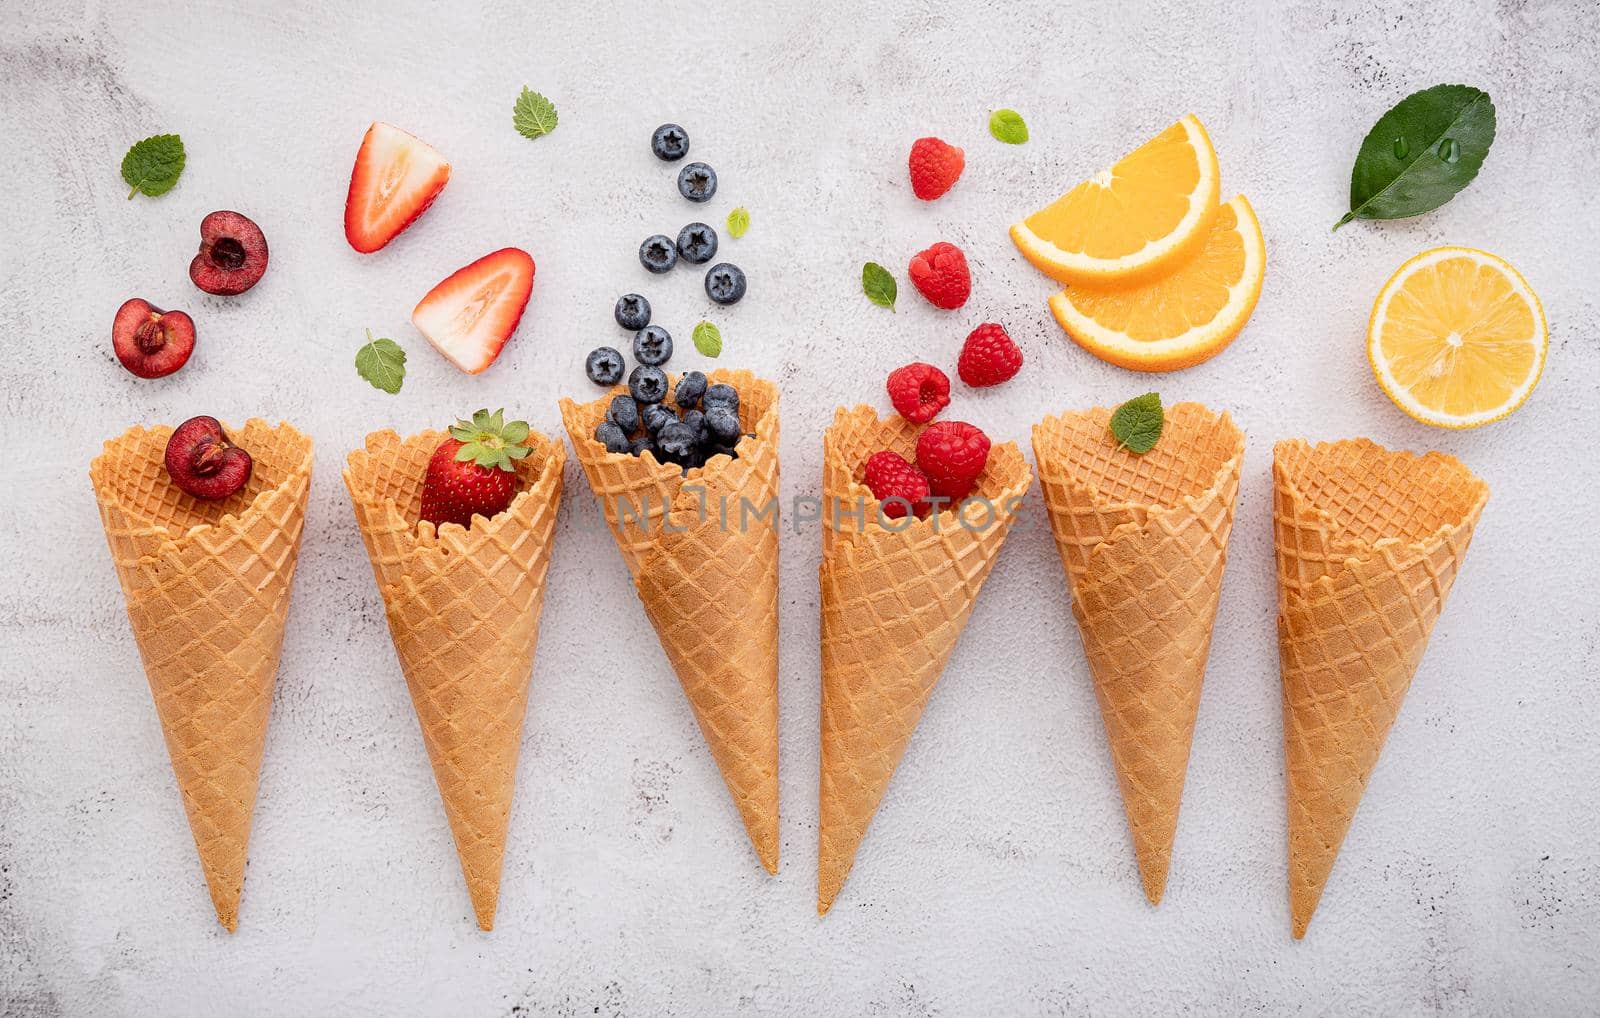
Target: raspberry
{"type": "Point", "coordinates": [940, 274]}
{"type": "Point", "coordinates": [935, 167]}
{"type": "Point", "coordinates": [988, 357]}
{"type": "Point", "coordinates": [919, 391]}
{"type": "Point", "coordinates": [888, 475]}
{"type": "Point", "coordinates": [952, 454]}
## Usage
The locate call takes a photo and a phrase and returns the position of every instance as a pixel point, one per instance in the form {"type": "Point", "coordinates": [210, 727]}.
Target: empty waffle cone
{"type": "Point", "coordinates": [463, 605]}
{"type": "Point", "coordinates": [1144, 539]}
{"type": "Point", "coordinates": [703, 552]}
{"type": "Point", "coordinates": [1368, 545]}
{"type": "Point", "coordinates": [895, 596]}
{"type": "Point", "coordinates": [207, 590]}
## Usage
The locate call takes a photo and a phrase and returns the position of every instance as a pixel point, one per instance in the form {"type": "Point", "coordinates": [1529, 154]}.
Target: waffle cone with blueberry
{"type": "Point", "coordinates": [1369, 543]}
{"type": "Point", "coordinates": [699, 536]}
{"type": "Point", "coordinates": [207, 582]}
{"type": "Point", "coordinates": [1143, 539]}
{"type": "Point", "coordinates": [896, 594]}
{"type": "Point", "coordinates": [463, 599]}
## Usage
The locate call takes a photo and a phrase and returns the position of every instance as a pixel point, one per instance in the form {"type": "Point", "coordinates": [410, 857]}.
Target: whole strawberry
{"type": "Point", "coordinates": [474, 471]}
{"type": "Point", "coordinates": [935, 167]}
{"type": "Point", "coordinates": [897, 484]}
{"type": "Point", "coordinates": [988, 357]}
{"type": "Point", "coordinates": [940, 274]}
{"type": "Point", "coordinates": [952, 455]}
{"type": "Point", "coordinates": [919, 391]}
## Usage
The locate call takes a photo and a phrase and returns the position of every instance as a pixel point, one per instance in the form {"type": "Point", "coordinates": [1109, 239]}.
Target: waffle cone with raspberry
{"type": "Point", "coordinates": [702, 548]}
{"type": "Point", "coordinates": [463, 606]}
{"type": "Point", "coordinates": [896, 595]}
{"type": "Point", "coordinates": [1144, 539]}
{"type": "Point", "coordinates": [1369, 543]}
{"type": "Point", "coordinates": [207, 590]}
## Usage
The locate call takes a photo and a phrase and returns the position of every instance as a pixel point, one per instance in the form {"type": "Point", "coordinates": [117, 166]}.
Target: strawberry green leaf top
{"type": "Point", "coordinates": [489, 441]}
{"type": "Point", "coordinates": [153, 165]}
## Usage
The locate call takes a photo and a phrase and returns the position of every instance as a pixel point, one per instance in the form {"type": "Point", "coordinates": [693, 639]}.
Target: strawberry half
{"type": "Point", "coordinates": [470, 315]}
{"type": "Point", "coordinates": [396, 177]}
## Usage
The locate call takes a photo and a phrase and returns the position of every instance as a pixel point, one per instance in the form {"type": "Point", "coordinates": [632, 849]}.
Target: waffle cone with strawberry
{"type": "Point", "coordinates": [705, 566]}
{"type": "Point", "coordinates": [897, 589]}
{"type": "Point", "coordinates": [458, 527]}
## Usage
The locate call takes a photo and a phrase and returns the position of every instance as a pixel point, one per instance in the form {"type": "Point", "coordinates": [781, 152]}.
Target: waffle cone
{"type": "Point", "coordinates": [1144, 539]}
{"type": "Point", "coordinates": [1368, 545]}
{"type": "Point", "coordinates": [463, 606]}
{"type": "Point", "coordinates": [708, 578]}
{"type": "Point", "coordinates": [894, 603]}
{"type": "Point", "coordinates": [207, 591]}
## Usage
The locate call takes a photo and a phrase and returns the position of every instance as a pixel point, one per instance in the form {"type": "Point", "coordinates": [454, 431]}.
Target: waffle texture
{"type": "Point", "coordinates": [894, 601]}
{"type": "Point", "coordinates": [1144, 539]}
{"type": "Point", "coordinates": [463, 605]}
{"type": "Point", "coordinates": [703, 552]}
{"type": "Point", "coordinates": [207, 590]}
{"type": "Point", "coordinates": [1369, 543]}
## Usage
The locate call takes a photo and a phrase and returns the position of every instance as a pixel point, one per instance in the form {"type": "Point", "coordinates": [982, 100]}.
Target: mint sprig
{"type": "Point", "coordinates": [382, 363]}
{"type": "Point", "coordinates": [738, 222]}
{"type": "Point", "coordinates": [152, 166]}
{"type": "Point", "coordinates": [1136, 424]}
{"type": "Point", "coordinates": [533, 116]}
{"type": "Point", "coordinates": [707, 339]}
{"type": "Point", "coordinates": [1008, 126]}
{"type": "Point", "coordinates": [878, 285]}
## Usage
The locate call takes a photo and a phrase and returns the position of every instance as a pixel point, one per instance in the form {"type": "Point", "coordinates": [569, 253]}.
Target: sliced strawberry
{"type": "Point", "coordinates": [469, 316]}
{"type": "Point", "coordinates": [396, 177]}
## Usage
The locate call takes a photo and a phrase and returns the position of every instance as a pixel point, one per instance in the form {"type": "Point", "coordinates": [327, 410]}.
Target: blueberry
{"type": "Point", "coordinates": [697, 182]}
{"type": "Point", "coordinates": [725, 283]}
{"type": "Point", "coordinates": [670, 142]}
{"type": "Point", "coordinates": [697, 242]}
{"type": "Point", "coordinates": [633, 312]}
{"type": "Point", "coordinates": [612, 437]}
{"type": "Point", "coordinates": [641, 445]}
{"type": "Point", "coordinates": [676, 441]}
{"type": "Point", "coordinates": [652, 346]}
{"type": "Point", "coordinates": [690, 388]}
{"type": "Point", "coordinates": [722, 394]}
{"type": "Point", "coordinates": [721, 450]}
{"type": "Point", "coordinates": [624, 413]}
{"type": "Point", "coordinates": [722, 424]}
{"type": "Point", "coordinates": [604, 366]}
{"type": "Point", "coordinates": [696, 420]}
{"type": "Point", "coordinates": [648, 384]}
{"type": "Point", "coordinates": [658, 254]}
{"type": "Point", "coordinates": [656, 417]}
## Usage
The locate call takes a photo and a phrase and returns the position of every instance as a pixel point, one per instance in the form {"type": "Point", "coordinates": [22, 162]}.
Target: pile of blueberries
{"type": "Point", "coordinates": [697, 242]}
{"type": "Point", "coordinates": [702, 422]}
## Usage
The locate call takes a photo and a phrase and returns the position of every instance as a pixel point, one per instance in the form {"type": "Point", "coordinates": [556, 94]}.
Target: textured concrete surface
{"type": "Point", "coordinates": [998, 876]}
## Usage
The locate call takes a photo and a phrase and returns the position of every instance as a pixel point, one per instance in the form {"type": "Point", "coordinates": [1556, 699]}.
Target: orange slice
{"type": "Point", "coordinates": [1182, 318]}
{"type": "Point", "coordinates": [1133, 221]}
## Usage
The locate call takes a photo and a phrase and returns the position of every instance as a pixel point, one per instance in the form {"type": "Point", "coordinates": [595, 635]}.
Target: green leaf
{"type": "Point", "coordinates": [382, 363]}
{"type": "Point", "coordinates": [1136, 424]}
{"type": "Point", "coordinates": [489, 441]}
{"type": "Point", "coordinates": [153, 165]}
{"type": "Point", "coordinates": [738, 222]}
{"type": "Point", "coordinates": [1008, 126]}
{"type": "Point", "coordinates": [534, 116]}
{"type": "Point", "coordinates": [708, 339]}
{"type": "Point", "coordinates": [1421, 153]}
{"type": "Point", "coordinates": [878, 285]}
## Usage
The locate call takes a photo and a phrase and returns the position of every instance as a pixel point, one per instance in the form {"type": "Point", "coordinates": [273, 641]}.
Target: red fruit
{"type": "Point", "coordinates": [889, 476]}
{"type": "Point", "coordinates": [203, 463]}
{"type": "Point", "coordinates": [952, 454]}
{"type": "Point", "coordinates": [470, 315]}
{"type": "Point", "coordinates": [474, 471]}
{"type": "Point", "coordinates": [919, 391]}
{"type": "Point", "coordinates": [988, 357]}
{"type": "Point", "coordinates": [935, 167]}
{"type": "Point", "coordinates": [151, 342]}
{"type": "Point", "coordinates": [940, 274]}
{"type": "Point", "coordinates": [396, 177]}
{"type": "Point", "coordinates": [232, 256]}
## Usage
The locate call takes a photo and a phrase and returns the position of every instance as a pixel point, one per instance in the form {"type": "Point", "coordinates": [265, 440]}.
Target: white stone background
{"type": "Point", "coordinates": [997, 878]}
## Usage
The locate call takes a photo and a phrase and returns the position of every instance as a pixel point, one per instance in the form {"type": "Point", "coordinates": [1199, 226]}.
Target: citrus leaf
{"type": "Point", "coordinates": [152, 166]}
{"type": "Point", "coordinates": [738, 222]}
{"type": "Point", "coordinates": [1008, 126]}
{"type": "Point", "coordinates": [707, 339]}
{"type": "Point", "coordinates": [1136, 424]}
{"type": "Point", "coordinates": [382, 363]}
{"type": "Point", "coordinates": [533, 116]}
{"type": "Point", "coordinates": [878, 285]}
{"type": "Point", "coordinates": [1421, 153]}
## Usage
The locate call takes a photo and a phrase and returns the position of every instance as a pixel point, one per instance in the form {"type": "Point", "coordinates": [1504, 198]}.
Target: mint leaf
{"type": "Point", "coordinates": [533, 116]}
{"type": "Point", "coordinates": [708, 339]}
{"type": "Point", "coordinates": [878, 285]}
{"type": "Point", "coordinates": [1421, 153]}
{"type": "Point", "coordinates": [382, 363]}
{"type": "Point", "coordinates": [738, 222]}
{"type": "Point", "coordinates": [1136, 424]}
{"type": "Point", "coordinates": [153, 165]}
{"type": "Point", "coordinates": [1008, 126]}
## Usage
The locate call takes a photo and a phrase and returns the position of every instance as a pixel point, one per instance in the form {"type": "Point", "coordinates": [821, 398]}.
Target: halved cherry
{"type": "Point", "coordinates": [203, 463]}
{"type": "Point", "coordinates": [151, 342]}
{"type": "Point", "coordinates": [232, 256]}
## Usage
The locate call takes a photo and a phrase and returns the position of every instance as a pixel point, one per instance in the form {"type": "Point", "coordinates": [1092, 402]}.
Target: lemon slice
{"type": "Point", "coordinates": [1182, 318]}
{"type": "Point", "coordinates": [1133, 221]}
{"type": "Point", "coordinates": [1457, 337]}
